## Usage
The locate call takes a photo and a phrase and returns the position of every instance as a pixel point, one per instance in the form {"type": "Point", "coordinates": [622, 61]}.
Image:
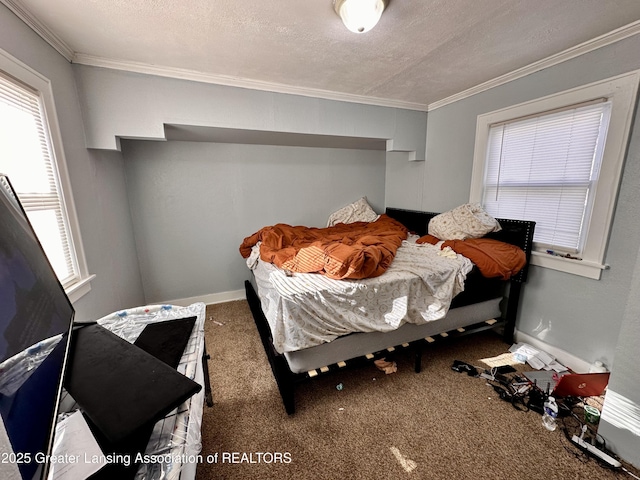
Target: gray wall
{"type": "Point", "coordinates": [97, 181]}
{"type": "Point", "coordinates": [124, 104]}
{"type": "Point", "coordinates": [193, 203]}
{"type": "Point", "coordinates": [620, 421]}
{"type": "Point", "coordinates": [120, 105]}
{"type": "Point", "coordinates": [404, 182]}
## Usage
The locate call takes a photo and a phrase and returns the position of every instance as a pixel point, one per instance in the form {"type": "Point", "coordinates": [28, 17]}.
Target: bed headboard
{"type": "Point", "coordinates": [515, 232]}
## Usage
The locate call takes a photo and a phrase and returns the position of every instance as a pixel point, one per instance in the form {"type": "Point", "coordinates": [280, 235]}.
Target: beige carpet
{"type": "Point", "coordinates": [438, 424]}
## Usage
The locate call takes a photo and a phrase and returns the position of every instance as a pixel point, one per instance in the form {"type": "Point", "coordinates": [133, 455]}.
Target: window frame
{"type": "Point", "coordinates": [621, 91]}
{"type": "Point", "coordinates": [37, 82]}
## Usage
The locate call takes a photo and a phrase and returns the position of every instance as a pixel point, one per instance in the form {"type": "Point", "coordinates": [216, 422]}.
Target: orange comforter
{"type": "Point", "coordinates": [355, 250]}
{"type": "Point", "coordinates": [494, 259]}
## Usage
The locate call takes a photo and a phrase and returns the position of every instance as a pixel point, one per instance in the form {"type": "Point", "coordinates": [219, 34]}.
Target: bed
{"type": "Point", "coordinates": [175, 442]}
{"type": "Point", "coordinates": [284, 305]}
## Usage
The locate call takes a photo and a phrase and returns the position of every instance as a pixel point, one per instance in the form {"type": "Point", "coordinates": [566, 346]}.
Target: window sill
{"type": "Point", "coordinates": [78, 290]}
{"type": "Point", "coordinates": [584, 268]}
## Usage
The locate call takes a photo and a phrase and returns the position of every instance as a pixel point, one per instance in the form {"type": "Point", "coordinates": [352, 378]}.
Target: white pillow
{"type": "Point", "coordinates": [358, 211]}
{"type": "Point", "coordinates": [466, 221]}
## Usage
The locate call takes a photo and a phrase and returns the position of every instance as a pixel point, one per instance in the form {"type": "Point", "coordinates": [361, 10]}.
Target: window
{"type": "Point", "coordinates": [31, 155]}
{"type": "Point", "coordinates": [545, 168]}
{"type": "Point", "coordinates": [558, 161]}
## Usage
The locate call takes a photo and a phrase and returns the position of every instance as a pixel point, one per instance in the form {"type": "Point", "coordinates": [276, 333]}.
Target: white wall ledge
{"type": "Point", "coordinates": [584, 268]}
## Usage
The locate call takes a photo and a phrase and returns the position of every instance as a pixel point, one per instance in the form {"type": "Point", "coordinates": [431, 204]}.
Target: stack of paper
{"type": "Point", "coordinates": [525, 353]}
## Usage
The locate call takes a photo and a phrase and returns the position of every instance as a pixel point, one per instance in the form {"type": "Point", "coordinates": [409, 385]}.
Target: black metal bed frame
{"type": "Point", "coordinates": [516, 232]}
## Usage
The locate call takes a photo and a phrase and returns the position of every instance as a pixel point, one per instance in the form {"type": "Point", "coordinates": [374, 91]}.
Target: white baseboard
{"type": "Point", "coordinates": [569, 360]}
{"type": "Point", "coordinates": [209, 298]}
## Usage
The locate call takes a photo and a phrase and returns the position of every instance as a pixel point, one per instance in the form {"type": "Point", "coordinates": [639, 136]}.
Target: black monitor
{"type": "Point", "coordinates": [36, 317]}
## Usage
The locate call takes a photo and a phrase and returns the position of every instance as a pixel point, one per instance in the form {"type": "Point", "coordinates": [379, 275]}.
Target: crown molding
{"type": "Point", "coordinates": [194, 75]}
{"type": "Point", "coordinates": [184, 74]}
{"type": "Point", "coordinates": [37, 26]}
{"type": "Point", "coordinates": [603, 40]}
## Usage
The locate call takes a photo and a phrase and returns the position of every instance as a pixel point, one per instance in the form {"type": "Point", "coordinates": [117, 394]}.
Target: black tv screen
{"type": "Point", "coordinates": [35, 322]}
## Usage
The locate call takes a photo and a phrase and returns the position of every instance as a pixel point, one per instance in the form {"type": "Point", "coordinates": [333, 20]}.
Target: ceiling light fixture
{"type": "Point", "coordinates": [360, 16]}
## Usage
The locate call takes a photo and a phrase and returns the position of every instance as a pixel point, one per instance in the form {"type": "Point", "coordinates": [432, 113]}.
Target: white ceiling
{"type": "Point", "coordinates": [421, 53]}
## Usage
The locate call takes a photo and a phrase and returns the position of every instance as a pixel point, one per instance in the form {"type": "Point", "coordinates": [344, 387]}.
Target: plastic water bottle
{"type": "Point", "coordinates": [550, 414]}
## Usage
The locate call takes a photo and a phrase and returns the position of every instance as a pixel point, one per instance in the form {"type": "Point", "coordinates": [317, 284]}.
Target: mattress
{"type": "Point", "coordinates": [176, 438]}
{"type": "Point", "coordinates": [359, 344]}
{"type": "Point", "coordinates": [307, 310]}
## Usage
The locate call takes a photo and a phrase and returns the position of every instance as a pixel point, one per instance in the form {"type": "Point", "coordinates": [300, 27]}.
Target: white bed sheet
{"type": "Point", "coordinates": [305, 310]}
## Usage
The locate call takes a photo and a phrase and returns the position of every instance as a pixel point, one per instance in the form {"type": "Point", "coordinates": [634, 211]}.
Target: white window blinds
{"type": "Point", "coordinates": [26, 157]}
{"type": "Point", "coordinates": [545, 168]}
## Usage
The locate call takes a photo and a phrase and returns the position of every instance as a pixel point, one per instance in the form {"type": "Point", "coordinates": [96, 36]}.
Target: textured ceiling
{"type": "Point", "coordinates": [421, 52]}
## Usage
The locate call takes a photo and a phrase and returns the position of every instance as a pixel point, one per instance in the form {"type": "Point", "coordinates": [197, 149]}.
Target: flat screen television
{"type": "Point", "coordinates": [36, 317]}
